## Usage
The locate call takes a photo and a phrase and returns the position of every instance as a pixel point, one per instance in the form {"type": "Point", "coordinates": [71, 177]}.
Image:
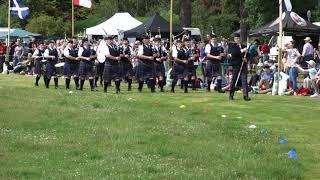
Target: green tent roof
{"type": "Point", "coordinates": [19, 33]}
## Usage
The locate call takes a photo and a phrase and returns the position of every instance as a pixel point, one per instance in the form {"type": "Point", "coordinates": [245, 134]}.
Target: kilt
{"type": "Point", "coordinates": [71, 68]}
{"type": "Point", "coordinates": [112, 71]}
{"type": "Point", "coordinates": [160, 70]}
{"type": "Point", "coordinates": [86, 69]}
{"type": "Point", "coordinates": [39, 67]}
{"type": "Point", "coordinates": [212, 69]}
{"type": "Point", "coordinates": [50, 69]}
{"type": "Point", "coordinates": [179, 71]}
{"type": "Point", "coordinates": [190, 70]}
{"type": "Point", "coordinates": [145, 70]}
{"type": "Point", "coordinates": [99, 69]}
{"type": "Point", "coordinates": [126, 69]}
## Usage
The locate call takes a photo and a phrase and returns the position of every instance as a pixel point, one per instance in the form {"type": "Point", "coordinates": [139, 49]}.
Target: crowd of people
{"type": "Point", "coordinates": [224, 66]}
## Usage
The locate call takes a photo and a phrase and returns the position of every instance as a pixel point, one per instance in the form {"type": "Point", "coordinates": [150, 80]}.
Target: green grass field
{"type": "Point", "coordinates": [51, 134]}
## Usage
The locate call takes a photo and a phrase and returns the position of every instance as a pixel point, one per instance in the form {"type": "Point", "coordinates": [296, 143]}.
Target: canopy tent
{"type": "Point", "coordinates": [293, 24]}
{"type": "Point", "coordinates": [17, 33]}
{"type": "Point", "coordinates": [118, 23]}
{"type": "Point", "coordinates": [153, 25]}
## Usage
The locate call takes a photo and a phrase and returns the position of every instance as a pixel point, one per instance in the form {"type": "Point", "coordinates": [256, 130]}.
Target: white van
{"type": "Point", "coordinates": [195, 33]}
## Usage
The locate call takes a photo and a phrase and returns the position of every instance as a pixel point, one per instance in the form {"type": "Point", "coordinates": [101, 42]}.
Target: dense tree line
{"type": "Point", "coordinates": [53, 17]}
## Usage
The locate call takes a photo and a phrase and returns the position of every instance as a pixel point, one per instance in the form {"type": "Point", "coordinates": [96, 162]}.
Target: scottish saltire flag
{"type": "Point", "coordinates": [286, 5]}
{"type": "Point", "coordinates": [18, 9]}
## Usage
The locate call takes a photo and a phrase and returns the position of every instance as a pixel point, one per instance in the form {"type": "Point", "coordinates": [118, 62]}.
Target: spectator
{"type": "Point", "coordinates": [2, 53]}
{"type": "Point", "coordinates": [18, 53]}
{"type": "Point", "coordinates": [311, 72]}
{"type": "Point", "coordinates": [266, 78]}
{"type": "Point", "coordinates": [317, 56]}
{"type": "Point", "coordinates": [307, 53]}
{"type": "Point", "coordinates": [292, 58]}
{"type": "Point", "coordinates": [265, 50]}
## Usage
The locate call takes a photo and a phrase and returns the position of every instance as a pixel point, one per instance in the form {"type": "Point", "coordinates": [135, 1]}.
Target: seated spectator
{"type": "Point", "coordinates": [311, 72]}
{"type": "Point", "coordinates": [266, 78]}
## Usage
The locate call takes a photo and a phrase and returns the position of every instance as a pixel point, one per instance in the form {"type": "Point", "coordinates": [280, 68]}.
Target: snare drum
{"type": "Point", "coordinates": [59, 68]}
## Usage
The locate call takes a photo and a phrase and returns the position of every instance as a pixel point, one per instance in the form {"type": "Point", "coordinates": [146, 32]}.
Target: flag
{"type": "Point", "coordinates": [18, 9]}
{"type": "Point", "coordinates": [286, 5]}
{"type": "Point", "coordinates": [84, 3]}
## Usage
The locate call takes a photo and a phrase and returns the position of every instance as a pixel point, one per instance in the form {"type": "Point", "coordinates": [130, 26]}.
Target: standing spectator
{"type": "Point", "coordinates": [307, 53]}
{"type": "Point", "coordinates": [265, 50]}
{"type": "Point", "coordinates": [293, 56]}
{"type": "Point", "coordinates": [317, 56]}
{"type": "Point", "coordinates": [18, 53]}
{"type": "Point", "coordinates": [2, 53]}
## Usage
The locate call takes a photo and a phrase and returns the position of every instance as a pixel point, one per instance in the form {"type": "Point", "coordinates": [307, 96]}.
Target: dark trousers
{"type": "Point", "coordinates": [243, 78]}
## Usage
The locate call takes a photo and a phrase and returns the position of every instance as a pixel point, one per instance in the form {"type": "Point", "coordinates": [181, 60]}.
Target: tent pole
{"type": "Point", "coordinates": [280, 41]}
{"type": "Point", "coordinates": [72, 17]}
{"type": "Point", "coordinates": [171, 11]}
{"type": "Point", "coordinates": [8, 40]}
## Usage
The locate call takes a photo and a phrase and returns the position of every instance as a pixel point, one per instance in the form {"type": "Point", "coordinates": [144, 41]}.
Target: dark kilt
{"type": "Point", "coordinates": [86, 69]}
{"type": "Point", "coordinates": [99, 69]}
{"type": "Point", "coordinates": [191, 70]}
{"type": "Point", "coordinates": [213, 69]}
{"type": "Point", "coordinates": [179, 71]}
{"type": "Point", "coordinates": [71, 68]}
{"type": "Point", "coordinates": [145, 70]}
{"type": "Point", "coordinates": [160, 70]}
{"type": "Point", "coordinates": [127, 69]}
{"type": "Point", "coordinates": [50, 69]}
{"type": "Point", "coordinates": [39, 67]}
{"type": "Point", "coordinates": [112, 71]}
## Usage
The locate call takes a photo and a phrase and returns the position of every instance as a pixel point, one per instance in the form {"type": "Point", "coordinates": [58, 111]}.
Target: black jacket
{"type": "Point", "coordinates": [236, 55]}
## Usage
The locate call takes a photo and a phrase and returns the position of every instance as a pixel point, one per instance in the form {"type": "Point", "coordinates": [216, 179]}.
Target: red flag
{"type": "Point", "coordinates": [84, 3]}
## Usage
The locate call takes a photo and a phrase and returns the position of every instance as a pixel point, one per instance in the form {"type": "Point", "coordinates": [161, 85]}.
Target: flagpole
{"type": "Point", "coordinates": [8, 40]}
{"type": "Point", "coordinates": [171, 11]}
{"type": "Point", "coordinates": [72, 16]}
{"type": "Point", "coordinates": [280, 41]}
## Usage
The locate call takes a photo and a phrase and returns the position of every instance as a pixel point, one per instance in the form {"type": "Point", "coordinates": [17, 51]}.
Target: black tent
{"type": "Point", "coordinates": [293, 24]}
{"type": "Point", "coordinates": [153, 25]}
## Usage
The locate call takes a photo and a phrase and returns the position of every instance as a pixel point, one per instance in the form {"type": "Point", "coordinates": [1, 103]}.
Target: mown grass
{"type": "Point", "coordinates": [51, 134]}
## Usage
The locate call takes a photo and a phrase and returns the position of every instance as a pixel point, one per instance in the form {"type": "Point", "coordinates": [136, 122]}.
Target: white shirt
{"type": "Point", "coordinates": [307, 49]}
{"type": "Point", "coordinates": [46, 52]}
{"type": "Point", "coordinates": [66, 51]}
{"type": "Point", "coordinates": [312, 73]}
{"type": "Point", "coordinates": [80, 51]}
{"type": "Point", "coordinates": [140, 50]}
{"type": "Point", "coordinates": [292, 58]}
{"type": "Point", "coordinates": [36, 52]}
{"type": "Point", "coordinates": [174, 52]}
{"type": "Point", "coordinates": [208, 47]}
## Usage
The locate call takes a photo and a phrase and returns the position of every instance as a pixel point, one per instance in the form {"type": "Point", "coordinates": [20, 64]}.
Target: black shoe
{"type": "Point", "coordinates": [161, 90]}
{"type": "Point", "coordinates": [172, 91]}
{"type": "Point", "coordinates": [231, 98]}
{"type": "Point", "coordinates": [36, 84]}
{"type": "Point", "coordinates": [246, 98]}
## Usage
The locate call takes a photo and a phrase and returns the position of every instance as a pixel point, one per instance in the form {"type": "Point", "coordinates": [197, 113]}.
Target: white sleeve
{"type": "Point", "coordinates": [66, 51]}
{"type": "Point", "coordinates": [35, 53]}
{"type": "Point", "coordinates": [106, 51]}
{"type": "Point", "coordinates": [140, 50]}
{"type": "Point", "coordinates": [207, 49]}
{"type": "Point", "coordinates": [174, 53]}
{"type": "Point", "coordinates": [46, 53]}
{"type": "Point", "coordinates": [80, 51]}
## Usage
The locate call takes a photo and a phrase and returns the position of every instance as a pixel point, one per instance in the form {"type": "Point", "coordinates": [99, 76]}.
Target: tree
{"type": "Point", "coordinates": [185, 13]}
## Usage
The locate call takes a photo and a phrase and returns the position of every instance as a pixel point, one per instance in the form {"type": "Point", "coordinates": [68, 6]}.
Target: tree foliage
{"type": "Point", "coordinates": [54, 16]}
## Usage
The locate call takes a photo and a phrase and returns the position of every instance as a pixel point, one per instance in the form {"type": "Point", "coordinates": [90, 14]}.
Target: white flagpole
{"type": "Point", "coordinates": [171, 31]}
{"type": "Point", "coordinates": [8, 40]}
{"type": "Point", "coordinates": [280, 40]}
{"type": "Point", "coordinates": [72, 17]}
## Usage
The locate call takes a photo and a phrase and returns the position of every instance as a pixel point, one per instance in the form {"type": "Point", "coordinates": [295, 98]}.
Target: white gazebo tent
{"type": "Point", "coordinates": [117, 24]}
